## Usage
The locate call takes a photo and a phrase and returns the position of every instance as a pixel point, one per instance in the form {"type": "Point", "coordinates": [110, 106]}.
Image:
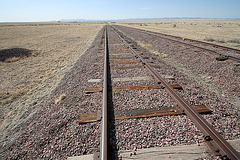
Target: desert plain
{"type": "Point", "coordinates": [27, 82]}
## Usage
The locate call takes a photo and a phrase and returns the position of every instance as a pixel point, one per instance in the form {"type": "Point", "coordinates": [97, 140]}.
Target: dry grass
{"type": "Point", "coordinates": [27, 82]}
{"type": "Point", "coordinates": [209, 39]}
{"type": "Point", "coordinates": [10, 96]}
{"type": "Point", "coordinates": [36, 53]}
{"type": "Point", "coordinates": [223, 32]}
{"type": "Point", "coordinates": [149, 48]}
{"type": "Point", "coordinates": [13, 59]}
{"type": "Point", "coordinates": [60, 98]}
{"type": "Point", "coordinates": [234, 41]}
{"type": "Point", "coordinates": [161, 55]}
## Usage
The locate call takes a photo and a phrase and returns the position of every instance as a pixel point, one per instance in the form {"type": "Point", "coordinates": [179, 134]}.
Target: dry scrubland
{"type": "Point", "coordinates": [27, 82]}
{"type": "Point", "coordinates": [223, 32]}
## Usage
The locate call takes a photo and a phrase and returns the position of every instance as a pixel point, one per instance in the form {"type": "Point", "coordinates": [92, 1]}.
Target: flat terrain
{"type": "Point", "coordinates": [42, 95]}
{"type": "Point", "coordinates": [222, 32]}
{"type": "Point", "coordinates": [25, 84]}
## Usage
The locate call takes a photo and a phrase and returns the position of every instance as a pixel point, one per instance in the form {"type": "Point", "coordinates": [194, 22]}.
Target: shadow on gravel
{"type": "Point", "coordinates": [112, 141]}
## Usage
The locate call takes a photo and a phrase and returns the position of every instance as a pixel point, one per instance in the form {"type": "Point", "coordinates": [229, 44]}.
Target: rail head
{"type": "Point", "coordinates": [103, 147]}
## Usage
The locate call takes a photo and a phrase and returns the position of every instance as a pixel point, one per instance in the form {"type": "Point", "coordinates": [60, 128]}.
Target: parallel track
{"type": "Point", "coordinates": [193, 40]}
{"type": "Point", "coordinates": [174, 39]}
{"type": "Point", "coordinates": [213, 139]}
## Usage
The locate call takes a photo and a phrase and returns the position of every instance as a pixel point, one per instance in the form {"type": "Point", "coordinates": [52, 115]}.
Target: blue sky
{"type": "Point", "coordinates": [48, 10]}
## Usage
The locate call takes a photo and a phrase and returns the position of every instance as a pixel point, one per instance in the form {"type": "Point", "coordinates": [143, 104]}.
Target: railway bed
{"type": "Point", "coordinates": [194, 62]}
{"type": "Point", "coordinates": [60, 132]}
{"type": "Point", "coordinates": [218, 145]}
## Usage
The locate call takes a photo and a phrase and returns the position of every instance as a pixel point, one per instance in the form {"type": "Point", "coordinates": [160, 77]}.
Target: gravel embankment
{"type": "Point", "coordinates": [221, 77]}
{"type": "Point", "coordinates": [53, 132]}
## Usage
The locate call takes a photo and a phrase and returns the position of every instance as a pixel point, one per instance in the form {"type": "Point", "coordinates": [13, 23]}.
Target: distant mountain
{"type": "Point", "coordinates": [174, 18]}
{"type": "Point", "coordinates": [148, 19]}
{"type": "Point", "coordinates": [77, 20]}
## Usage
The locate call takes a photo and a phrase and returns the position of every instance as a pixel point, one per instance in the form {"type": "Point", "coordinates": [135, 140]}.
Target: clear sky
{"type": "Point", "coordinates": [48, 10]}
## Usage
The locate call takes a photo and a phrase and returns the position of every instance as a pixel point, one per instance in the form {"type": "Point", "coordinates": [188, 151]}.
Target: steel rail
{"type": "Point", "coordinates": [221, 54]}
{"type": "Point", "coordinates": [193, 40]}
{"type": "Point", "coordinates": [216, 143]}
{"type": "Point", "coordinates": [103, 147]}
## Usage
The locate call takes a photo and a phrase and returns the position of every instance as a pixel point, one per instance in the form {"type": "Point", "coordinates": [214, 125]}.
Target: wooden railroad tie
{"type": "Point", "coordinates": [123, 57]}
{"type": "Point", "coordinates": [128, 67]}
{"type": "Point", "coordinates": [132, 67]}
{"type": "Point", "coordinates": [136, 113]}
{"type": "Point", "coordinates": [115, 54]}
{"type": "Point", "coordinates": [128, 62]}
{"type": "Point", "coordinates": [126, 88]}
{"type": "Point", "coordinates": [115, 51]}
{"type": "Point", "coordinates": [122, 79]}
{"type": "Point", "coordinates": [132, 57]}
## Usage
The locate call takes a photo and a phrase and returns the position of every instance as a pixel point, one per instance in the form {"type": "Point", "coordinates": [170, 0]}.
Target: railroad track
{"type": "Point", "coordinates": [222, 51]}
{"type": "Point", "coordinates": [118, 52]}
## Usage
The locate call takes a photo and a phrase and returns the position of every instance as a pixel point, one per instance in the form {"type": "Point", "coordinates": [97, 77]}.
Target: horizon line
{"type": "Point", "coordinates": [123, 19]}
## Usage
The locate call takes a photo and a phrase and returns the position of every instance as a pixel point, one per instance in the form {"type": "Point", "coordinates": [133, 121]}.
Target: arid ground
{"type": "Point", "coordinates": [224, 32]}
{"type": "Point", "coordinates": [27, 82]}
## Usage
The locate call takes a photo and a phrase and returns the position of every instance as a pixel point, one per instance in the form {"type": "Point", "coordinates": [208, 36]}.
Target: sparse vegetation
{"type": "Point", "coordinates": [225, 32]}
{"type": "Point", "coordinates": [235, 41]}
{"type": "Point", "coordinates": [221, 41]}
{"type": "Point", "coordinates": [36, 53]}
{"type": "Point", "coordinates": [13, 59]}
{"type": "Point", "coordinates": [14, 54]}
{"type": "Point", "coordinates": [30, 80]}
{"type": "Point", "coordinates": [210, 39]}
{"type": "Point", "coordinates": [149, 48]}
{"type": "Point", "coordinates": [162, 55]}
{"type": "Point", "coordinates": [60, 98]}
{"type": "Point", "coordinates": [146, 46]}
{"type": "Point", "coordinates": [10, 96]}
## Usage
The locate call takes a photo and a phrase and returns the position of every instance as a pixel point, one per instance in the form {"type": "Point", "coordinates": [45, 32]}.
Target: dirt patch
{"type": "Point", "coordinates": [14, 54]}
